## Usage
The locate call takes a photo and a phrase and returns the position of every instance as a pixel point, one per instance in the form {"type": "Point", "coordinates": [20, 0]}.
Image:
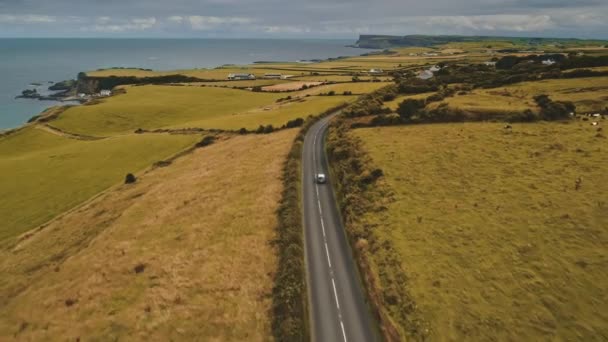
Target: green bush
{"type": "Point", "coordinates": [208, 140]}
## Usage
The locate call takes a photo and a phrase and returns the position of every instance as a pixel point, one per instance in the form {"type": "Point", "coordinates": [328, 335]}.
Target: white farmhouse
{"type": "Point", "coordinates": [376, 71]}
{"type": "Point", "coordinates": [425, 75]}
{"type": "Point", "coordinates": [273, 76]}
{"type": "Point", "coordinates": [548, 62]}
{"type": "Point", "coordinates": [234, 77]}
{"type": "Point", "coordinates": [105, 93]}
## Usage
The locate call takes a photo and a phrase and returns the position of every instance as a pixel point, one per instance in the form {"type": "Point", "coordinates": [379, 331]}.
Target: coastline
{"type": "Point", "coordinates": [151, 54]}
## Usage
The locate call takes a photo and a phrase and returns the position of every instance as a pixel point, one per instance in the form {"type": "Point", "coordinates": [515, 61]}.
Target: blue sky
{"type": "Point", "coordinates": [301, 19]}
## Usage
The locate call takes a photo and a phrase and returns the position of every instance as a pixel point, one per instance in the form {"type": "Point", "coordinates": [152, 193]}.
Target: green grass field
{"type": "Point", "coordinates": [275, 114]}
{"type": "Point", "coordinates": [44, 174]}
{"type": "Point", "coordinates": [151, 107]}
{"type": "Point", "coordinates": [497, 240]}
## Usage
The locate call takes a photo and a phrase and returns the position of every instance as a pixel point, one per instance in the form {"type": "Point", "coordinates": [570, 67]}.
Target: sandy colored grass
{"type": "Point", "coordinates": [342, 78]}
{"type": "Point", "coordinates": [588, 94]}
{"type": "Point", "coordinates": [44, 174]}
{"type": "Point", "coordinates": [494, 238]}
{"type": "Point", "coordinates": [203, 229]}
{"type": "Point", "coordinates": [217, 73]}
{"type": "Point", "coordinates": [394, 104]}
{"type": "Point", "coordinates": [240, 84]}
{"type": "Point", "coordinates": [291, 86]}
{"type": "Point", "coordinates": [277, 114]}
{"type": "Point", "coordinates": [488, 101]}
{"type": "Point", "coordinates": [357, 88]}
{"type": "Point", "coordinates": [152, 107]}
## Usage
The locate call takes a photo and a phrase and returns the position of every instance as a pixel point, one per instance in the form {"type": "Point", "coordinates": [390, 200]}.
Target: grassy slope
{"type": "Point", "coordinates": [494, 238]}
{"type": "Point", "coordinates": [276, 114]}
{"type": "Point", "coordinates": [45, 174]}
{"type": "Point", "coordinates": [588, 94]}
{"type": "Point", "coordinates": [204, 238]}
{"type": "Point", "coordinates": [152, 107]}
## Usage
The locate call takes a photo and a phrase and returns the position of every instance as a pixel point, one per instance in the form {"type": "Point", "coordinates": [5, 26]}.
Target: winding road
{"type": "Point", "coordinates": [338, 310]}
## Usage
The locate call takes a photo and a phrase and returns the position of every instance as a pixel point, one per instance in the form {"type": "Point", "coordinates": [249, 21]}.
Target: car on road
{"type": "Point", "coordinates": [320, 178]}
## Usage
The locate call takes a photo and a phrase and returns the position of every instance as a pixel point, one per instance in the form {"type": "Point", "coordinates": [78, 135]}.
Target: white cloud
{"type": "Point", "coordinates": [103, 20]}
{"type": "Point", "coordinates": [202, 23]}
{"type": "Point", "coordinates": [498, 22]}
{"type": "Point", "coordinates": [27, 19]}
{"type": "Point", "coordinates": [111, 26]}
{"type": "Point", "coordinates": [176, 19]}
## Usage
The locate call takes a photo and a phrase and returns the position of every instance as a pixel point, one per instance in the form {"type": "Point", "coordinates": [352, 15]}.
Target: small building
{"type": "Point", "coordinates": [425, 75]}
{"type": "Point", "coordinates": [234, 77]}
{"type": "Point", "coordinates": [489, 63]}
{"type": "Point", "coordinates": [435, 68]}
{"type": "Point", "coordinates": [548, 62]}
{"type": "Point", "coordinates": [82, 95]}
{"type": "Point", "coordinates": [376, 71]}
{"type": "Point", "coordinates": [273, 76]}
{"type": "Point", "coordinates": [105, 93]}
{"type": "Point", "coordinates": [285, 77]}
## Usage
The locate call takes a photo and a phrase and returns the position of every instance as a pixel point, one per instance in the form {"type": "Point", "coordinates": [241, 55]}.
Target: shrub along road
{"type": "Point", "coordinates": [338, 310]}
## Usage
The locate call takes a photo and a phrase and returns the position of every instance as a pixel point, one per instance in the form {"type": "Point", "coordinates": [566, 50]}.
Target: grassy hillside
{"type": "Point", "coordinates": [151, 107]}
{"type": "Point", "coordinates": [276, 114]}
{"type": "Point", "coordinates": [501, 235]}
{"type": "Point", "coordinates": [44, 174]}
{"type": "Point", "coordinates": [183, 254]}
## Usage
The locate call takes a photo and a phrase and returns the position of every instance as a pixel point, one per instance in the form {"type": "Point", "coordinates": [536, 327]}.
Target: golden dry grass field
{"type": "Point", "coordinates": [502, 235]}
{"type": "Point", "coordinates": [44, 174]}
{"type": "Point", "coordinates": [588, 94]}
{"type": "Point", "coordinates": [183, 254]}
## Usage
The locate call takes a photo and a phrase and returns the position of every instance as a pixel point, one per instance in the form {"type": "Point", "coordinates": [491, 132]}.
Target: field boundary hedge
{"type": "Point", "coordinates": [359, 191]}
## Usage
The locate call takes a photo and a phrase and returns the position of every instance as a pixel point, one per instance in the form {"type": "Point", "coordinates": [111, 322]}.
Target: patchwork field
{"type": "Point", "coordinates": [151, 107]}
{"type": "Point", "coordinates": [276, 114]}
{"type": "Point", "coordinates": [356, 88]}
{"type": "Point", "coordinates": [44, 174]}
{"type": "Point", "coordinates": [502, 235]}
{"type": "Point", "coordinates": [217, 73]}
{"type": "Point", "coordinates": [183, 254]}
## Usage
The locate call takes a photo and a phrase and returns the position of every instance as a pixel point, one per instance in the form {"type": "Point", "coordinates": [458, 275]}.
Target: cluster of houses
{"type": "Point", "coordinates": [247, 76]}
{"type": "Point", "coordinates": [102, 93]}
{"type": "Point", "coordinates": [429, 73]}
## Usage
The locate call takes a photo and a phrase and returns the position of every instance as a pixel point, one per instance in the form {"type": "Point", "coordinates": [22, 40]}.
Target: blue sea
{"type": "Point", "coordinates": [27, 61]}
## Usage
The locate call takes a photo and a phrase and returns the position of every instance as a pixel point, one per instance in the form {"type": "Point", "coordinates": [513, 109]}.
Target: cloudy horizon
{"type": "Point", "coordinates": [298, 19]}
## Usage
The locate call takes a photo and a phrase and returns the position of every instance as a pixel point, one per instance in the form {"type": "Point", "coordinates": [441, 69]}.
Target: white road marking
{"type": "Point", "coordinates": [331, 272]}
{"type": "Point", "coordinates": [323, 228]}
{"type": "Point", "coordinates": [335, 293]}
{"type": "Point", "coordinates": [327, 252]}
{"type": "Point", "coordinates": [343, 332]}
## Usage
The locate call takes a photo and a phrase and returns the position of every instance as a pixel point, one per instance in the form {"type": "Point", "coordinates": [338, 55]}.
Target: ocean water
{"type": "Point", "coordinates": [27, 61]}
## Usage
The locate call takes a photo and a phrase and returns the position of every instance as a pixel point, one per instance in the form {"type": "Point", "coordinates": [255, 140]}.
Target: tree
{"type": "Point", "coordinates": [408, 108]}
{"type": "Point", "coordinates": [130, 179]}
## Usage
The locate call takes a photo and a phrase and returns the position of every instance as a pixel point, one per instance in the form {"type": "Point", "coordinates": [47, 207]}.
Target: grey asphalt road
{"type": "Point", "coordinates": [338, 309]}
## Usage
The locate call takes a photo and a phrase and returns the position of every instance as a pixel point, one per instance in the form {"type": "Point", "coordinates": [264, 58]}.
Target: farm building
{"type": "Point", "coordinates": [376, 71]}
{"type": "Point", "coordinates": [233, 77]}
{"type": "Point", "coordinates": [425, 75]}
{"type": "Point", "coordinates": [273, 76]}
{"type": "Point", "coordinates": [105, 92]}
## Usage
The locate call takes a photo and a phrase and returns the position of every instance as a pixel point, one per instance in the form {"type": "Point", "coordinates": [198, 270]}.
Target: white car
{"type": "Point", "coordinates": [320, 178]}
